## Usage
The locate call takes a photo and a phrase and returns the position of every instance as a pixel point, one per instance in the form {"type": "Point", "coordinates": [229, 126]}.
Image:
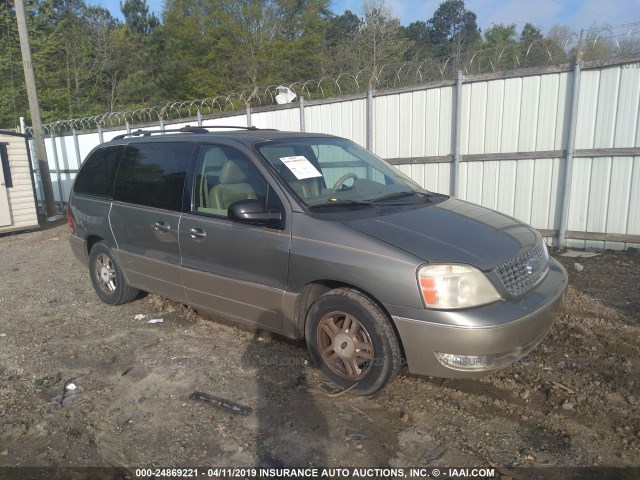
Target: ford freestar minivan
{"type": "Point", "coordinates": [313, 237]}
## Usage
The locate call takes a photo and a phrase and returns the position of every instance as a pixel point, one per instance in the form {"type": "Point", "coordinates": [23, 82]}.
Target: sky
{"type": "Point", "coordinates": [544, 14]}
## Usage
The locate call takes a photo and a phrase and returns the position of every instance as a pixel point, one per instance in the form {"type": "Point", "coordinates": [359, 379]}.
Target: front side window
{"type": "Point", "coordinates": [153, 174]}
{"type": "Point", "coordinates": [326, 171]}
{"type": "Point", "coordinates": [223, 176]}
{"type": "Point", "coordinates": [98, 172]}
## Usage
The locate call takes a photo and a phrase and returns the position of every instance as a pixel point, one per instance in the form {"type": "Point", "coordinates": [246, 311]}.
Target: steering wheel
{"type": "Point", "coordinates": [343, 179]}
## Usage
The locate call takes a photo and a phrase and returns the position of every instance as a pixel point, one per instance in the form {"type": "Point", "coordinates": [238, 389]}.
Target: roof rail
{"type": "Point", "coordinates": [186, 129]}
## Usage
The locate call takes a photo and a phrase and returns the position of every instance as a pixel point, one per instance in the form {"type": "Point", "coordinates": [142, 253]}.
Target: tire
{"type": "Point", "coordinates": [373, 361]}
{"type": "Point", "coordinates": [107, 277]}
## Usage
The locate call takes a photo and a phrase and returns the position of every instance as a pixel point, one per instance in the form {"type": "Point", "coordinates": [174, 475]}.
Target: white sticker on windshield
{"type": "Point", "coordinates": [301, 167]}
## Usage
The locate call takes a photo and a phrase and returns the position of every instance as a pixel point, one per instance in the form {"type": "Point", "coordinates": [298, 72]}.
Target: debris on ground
{"type": "Point", "coordinates": [578, 254]}
{"type": "Point", "coordinates": [55, 218]}
{"type": "Point", "coordinates": [354, 435]}
{"type": "Point", "coordinates": [221, 402]}
{"type": "Point", "coordinates": [430, 455]}
{"type": "Point", "coordinates": [2, 334]}
{"type": "Point", "coordinates": [156, 320]}
{"type": "Point", "coordinates": [140, 316]}
{"type": "Point", "coordinates": [578, 266]}
{"type": "Point", "coordinates": [46, 382]}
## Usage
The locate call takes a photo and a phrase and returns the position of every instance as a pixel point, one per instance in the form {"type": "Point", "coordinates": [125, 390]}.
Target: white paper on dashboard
{"type": "Point", "coordinates": [301, 167]}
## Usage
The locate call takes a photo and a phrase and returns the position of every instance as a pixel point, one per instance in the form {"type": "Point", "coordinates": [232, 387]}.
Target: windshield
{"type": "Point", "coordinates": [326, 171]}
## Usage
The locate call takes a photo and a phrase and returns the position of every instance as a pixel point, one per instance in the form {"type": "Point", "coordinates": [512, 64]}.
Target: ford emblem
{"type": "Point", "coordinates": [532, 265]}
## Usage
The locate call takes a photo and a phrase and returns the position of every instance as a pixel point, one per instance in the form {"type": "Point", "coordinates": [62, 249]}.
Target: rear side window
{"type": "Point", "coordinates": [153, 174]}
{"type": "Point", "coordinates": [98, 172]}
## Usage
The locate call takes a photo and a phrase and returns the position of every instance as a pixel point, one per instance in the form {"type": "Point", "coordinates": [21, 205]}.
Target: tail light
{"type": "Point", "coordinates": [70, 220]}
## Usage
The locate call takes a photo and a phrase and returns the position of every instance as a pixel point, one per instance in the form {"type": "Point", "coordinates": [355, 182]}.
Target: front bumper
{"type": "Point", "coordinates": [500, 333]}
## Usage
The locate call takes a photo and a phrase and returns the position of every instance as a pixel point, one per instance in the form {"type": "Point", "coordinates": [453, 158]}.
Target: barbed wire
{"type": "Point", "coordinates": [598, 43]}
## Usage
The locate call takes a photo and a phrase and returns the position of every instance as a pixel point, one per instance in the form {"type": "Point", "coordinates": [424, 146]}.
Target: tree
{"type": "Point", "coordinates": [453, 29]}
{"type": "Point", "coordinates": [229, 45]}
{"type": "Point", "coordinates": [501, 46]}
{"type": "Point", "coordinates": [378, 43]}
{"type": "Point", "coordinates": [342, 28]}
{"type": "Point", "coordinates": [418, 37]}
{"type": "Point", "coordinates": [557, 41]}
{"type": "Point", "coordinates": [137, 17]}
{"type": "Point", "coordinates": [144, 79]}
{"type": "Point", "coordinates": [533, 47]}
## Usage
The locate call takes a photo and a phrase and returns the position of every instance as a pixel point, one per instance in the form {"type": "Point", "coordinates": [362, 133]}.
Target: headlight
{"type": "Point", "coordinates": [455, 286]}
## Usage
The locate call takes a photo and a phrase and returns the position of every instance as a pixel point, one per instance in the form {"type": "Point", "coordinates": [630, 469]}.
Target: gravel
{"type": "Point", "coordinates": [571, 402]}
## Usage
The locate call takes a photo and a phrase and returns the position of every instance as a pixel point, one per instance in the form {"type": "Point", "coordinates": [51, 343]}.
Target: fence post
{"type": "Point", "coordinates": [76, 146]}
{"type": "Point", "coordinates": [302, 126]}
{"type": "Point", "coordinates": [369, 121]}
{"type": "Point", "coordinates": [199, 116]}
{"type": "Point", "coordinates": [128, 126]}
{"type": "Point", "coordinates": [100, 134]}
{"type": "Point", "coordinates": [55, 161]}
{"type": "Point", "coordinates": [162, 126]}
{"type": "Point", "coordinates": [571, 149]}
{"type": "Point", "coordinates": [32, 158]}
{"type": "Point", "coordinates": [249, 116]}
{"type": "Point", "coordinates": [455, 167]}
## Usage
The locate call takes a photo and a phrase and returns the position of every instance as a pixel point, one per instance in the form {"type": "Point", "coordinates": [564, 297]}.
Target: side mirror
{"type": "Point", "coordinates": [253, 211]}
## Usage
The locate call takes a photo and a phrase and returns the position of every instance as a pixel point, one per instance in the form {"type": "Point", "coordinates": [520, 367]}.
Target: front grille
{"type": "Point", "coordinates": [521, 273]}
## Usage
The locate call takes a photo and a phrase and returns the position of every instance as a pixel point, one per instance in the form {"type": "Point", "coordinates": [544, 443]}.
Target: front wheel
{"type": "Point", "coordinates": [107, 277]}
{"type": "Point", "coordinates": [352, 341]}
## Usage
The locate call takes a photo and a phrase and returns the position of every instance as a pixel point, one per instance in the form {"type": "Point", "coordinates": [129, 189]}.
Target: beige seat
{"type": "Point", "coordinates": [232, 186]}
{"type": "Point", "coordinates": [307, 188]}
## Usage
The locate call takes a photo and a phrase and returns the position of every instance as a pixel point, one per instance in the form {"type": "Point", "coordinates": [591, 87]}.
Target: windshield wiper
{"type": "Point", "coordinates": [342, 202]}
{"type": "Point", "coordinates": [399, 195]}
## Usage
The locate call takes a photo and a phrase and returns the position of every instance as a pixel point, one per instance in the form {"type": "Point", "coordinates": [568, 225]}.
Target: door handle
{"type": "Point", "coordinates": [162, 227]}
{"type": "Point", "coordinates": [196, 233]}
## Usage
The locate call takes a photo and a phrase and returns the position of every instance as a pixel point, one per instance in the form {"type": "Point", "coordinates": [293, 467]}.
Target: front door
{"type": "Point", "coordinates": [232, 268]}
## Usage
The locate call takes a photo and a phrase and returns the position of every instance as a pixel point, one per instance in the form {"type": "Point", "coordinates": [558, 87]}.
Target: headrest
{"type": "Point", "coordinates": [232, 172]}
{"type": "Point", "coordinates": [214, 159]}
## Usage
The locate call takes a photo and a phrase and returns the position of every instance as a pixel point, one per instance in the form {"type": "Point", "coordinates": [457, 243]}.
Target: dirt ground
{"type": "Point", "coordinates": [575, 401]}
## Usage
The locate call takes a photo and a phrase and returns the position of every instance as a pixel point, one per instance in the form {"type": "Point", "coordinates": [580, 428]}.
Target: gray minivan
{"type": "Point", "coordinates": [311, 236]}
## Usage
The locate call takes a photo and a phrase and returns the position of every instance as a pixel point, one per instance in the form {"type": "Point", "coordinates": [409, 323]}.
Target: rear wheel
{"type": "Point", "coordinates": [107, 278]}
{"type": "Point", "coordinates": [352, 341]}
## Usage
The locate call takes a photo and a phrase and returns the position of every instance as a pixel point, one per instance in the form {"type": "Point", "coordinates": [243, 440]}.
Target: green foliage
{"type": "Point", "coordinates": [137, 17]}
{"type": "Point", "coordinates": [419, 37]}
{"type": "Point", "coordinates": [501, 47]}
{"type": "Point", "coordinates": [453, 29]}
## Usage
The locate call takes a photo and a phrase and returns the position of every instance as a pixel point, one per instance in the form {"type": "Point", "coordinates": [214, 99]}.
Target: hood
{"type": "Point", "coordinates": [452, 231]}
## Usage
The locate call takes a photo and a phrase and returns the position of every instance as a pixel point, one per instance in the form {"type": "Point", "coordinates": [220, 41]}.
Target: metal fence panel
{"type": "Point", "coordinates": [626, 121]}
{"type": "Point", "coordinates": [587, 108]}
{"type": "Point", "coordinates": [511, 116]}
{"type": "Point", "coordinates": [288, 119]}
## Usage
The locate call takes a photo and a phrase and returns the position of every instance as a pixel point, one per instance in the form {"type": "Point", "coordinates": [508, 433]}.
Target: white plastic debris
{"type": "Point", "coordinates": [55, 218]}
{"type": "Point", "coordinates": [71, 386]}
{"type": "Point", "coordinates": [578, 267]}
{"type": "Point", "coordinates": [576, 254]}
{"type": "Point", "coordinates": [156, 320]}
{"type": "Point", "coordinates": [140, 316]}
{"type": "Point", "coordinates": [2, 334]}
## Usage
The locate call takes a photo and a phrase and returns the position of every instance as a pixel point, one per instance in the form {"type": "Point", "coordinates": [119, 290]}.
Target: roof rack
{"type": "Point", "coordinates": [186, 129]}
